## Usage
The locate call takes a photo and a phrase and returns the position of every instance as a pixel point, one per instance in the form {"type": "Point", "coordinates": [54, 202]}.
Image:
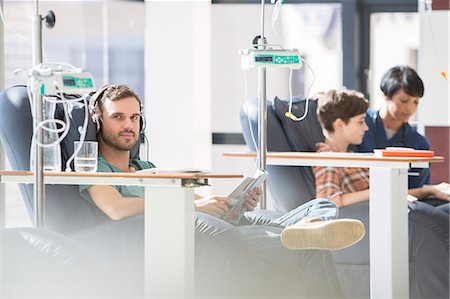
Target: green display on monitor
{"type": "Point", "coordinates": [77, 82]}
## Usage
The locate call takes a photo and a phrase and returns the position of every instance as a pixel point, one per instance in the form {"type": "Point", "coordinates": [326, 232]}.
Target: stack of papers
{"type": "Point", "coordinates": [402, 152]}
{"type": "Point", "coordinates": [443, 187]}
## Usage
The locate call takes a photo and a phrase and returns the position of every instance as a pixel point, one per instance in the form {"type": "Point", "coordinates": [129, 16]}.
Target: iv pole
{"type": "Point", "coordinates": [39, 187]}
{"type": "Point", "coordinates": [289, 58]}
{"type": "Point", "coordinates": [262, 112]}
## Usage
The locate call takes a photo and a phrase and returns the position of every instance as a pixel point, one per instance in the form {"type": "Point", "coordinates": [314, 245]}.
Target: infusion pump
{"type": "Point", "coordinates": [252, 57]}
{"type": "Point", "coordinates": [51, 80]}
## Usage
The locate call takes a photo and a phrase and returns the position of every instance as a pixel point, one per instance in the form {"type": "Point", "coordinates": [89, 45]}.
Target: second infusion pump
{"type": "Point", "coordinates": [252, 57]}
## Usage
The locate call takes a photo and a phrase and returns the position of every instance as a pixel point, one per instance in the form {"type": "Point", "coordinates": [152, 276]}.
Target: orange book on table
{"type": "Point", "coordinates": [403, 153]}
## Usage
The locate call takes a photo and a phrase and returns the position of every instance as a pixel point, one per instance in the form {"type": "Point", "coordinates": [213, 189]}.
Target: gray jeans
{"type": "Point", "coordinates": [317, 208]}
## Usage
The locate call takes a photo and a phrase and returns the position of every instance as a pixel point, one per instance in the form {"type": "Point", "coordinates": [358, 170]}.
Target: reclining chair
{"type": "Point", "coordinates": [65, 212]}
{"type": "Point", "coordinates": [69, 219]}
{"type": "Point", "coordinates": [290, 187]}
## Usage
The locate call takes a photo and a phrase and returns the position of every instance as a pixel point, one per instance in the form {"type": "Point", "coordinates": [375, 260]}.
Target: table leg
{"type": "Point", "coordinates": [389, 261]}
{"type": "Point", "coordinates": [169, 242]}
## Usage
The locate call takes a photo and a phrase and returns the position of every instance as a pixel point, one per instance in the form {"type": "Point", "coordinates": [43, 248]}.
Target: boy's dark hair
{"type": "Point", "coordinates": [402, 77]}
{"type": "Point", "coordinates": [343, 104]}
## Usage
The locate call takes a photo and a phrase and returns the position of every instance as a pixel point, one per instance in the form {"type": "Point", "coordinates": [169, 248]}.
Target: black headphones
{"type": "Point", "coordinates": [400, 142]}
{"type": "Point", "coordinates": [95, 113]}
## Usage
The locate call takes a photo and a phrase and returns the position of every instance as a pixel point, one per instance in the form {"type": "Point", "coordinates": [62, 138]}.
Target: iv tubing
{"type": "Point", "coordinates": [307, 94]}
{"type": "Point", "coordinates": [82, 135]}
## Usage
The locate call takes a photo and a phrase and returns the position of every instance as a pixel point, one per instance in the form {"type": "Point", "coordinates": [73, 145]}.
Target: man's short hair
{"type": "Point", "coordinates": [343, 104]}
{"type": "Point", "coordinates": [402, 77]}
{"type": "Point", "coordinates": [114, 93]}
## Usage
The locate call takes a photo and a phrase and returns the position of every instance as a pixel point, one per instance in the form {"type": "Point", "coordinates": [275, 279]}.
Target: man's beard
{"type": "Point", "coordinates": [113, 141]}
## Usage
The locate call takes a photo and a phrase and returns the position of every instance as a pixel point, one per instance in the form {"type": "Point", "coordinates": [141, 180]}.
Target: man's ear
{"type": "Point", "coordinates": [97, 121]}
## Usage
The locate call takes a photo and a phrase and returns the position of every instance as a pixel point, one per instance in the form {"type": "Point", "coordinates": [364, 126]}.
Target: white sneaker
{"type": "Point", "coordinates": [329, 235]}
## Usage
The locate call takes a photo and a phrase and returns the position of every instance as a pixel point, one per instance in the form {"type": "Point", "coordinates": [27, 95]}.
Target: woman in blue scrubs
{"type": "Point", "coordinates": [402, 88]}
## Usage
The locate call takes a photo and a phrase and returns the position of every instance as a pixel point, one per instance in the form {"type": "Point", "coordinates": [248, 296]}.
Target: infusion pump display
{"type": "Point", "coordinates": [77, 82]}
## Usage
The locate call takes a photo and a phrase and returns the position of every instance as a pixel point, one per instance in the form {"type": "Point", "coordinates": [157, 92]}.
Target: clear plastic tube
{"type": "Point", "coordinates": [82, 131]}
{"type": "Point", "coordinates": [248, 117]}
{"type": "Point", "coordinates": [289, 114]}
{"type": "Point", "coordinates": [49, 126]}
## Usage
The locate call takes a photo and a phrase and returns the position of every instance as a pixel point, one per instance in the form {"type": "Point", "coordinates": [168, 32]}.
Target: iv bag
{"type": "Point", "coordinates": [52, 150]}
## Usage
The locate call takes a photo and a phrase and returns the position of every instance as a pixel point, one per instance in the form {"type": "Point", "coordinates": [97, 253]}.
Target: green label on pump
{"type": "Point", "coordinates": [76, 82]}
{"type": "Point", "coordinates": [285, 59]}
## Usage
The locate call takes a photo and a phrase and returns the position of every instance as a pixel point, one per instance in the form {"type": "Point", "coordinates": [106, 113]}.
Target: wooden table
{"type": "Point", "coordinates": [169, 221]}
{"type": "Point", "coordinates": [389, 261]}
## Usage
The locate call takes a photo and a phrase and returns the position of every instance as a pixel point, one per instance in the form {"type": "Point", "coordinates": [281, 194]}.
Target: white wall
{"type": "Point", "coordinates": [178, 84]}
{"type": "Point", "coordinates": [394, 41]}
{"type": "Point", "coordinates": [434, 58]}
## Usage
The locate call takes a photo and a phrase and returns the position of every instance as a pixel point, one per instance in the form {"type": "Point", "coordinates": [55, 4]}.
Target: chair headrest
{"type": "Point", "coordinates": [302, 135]}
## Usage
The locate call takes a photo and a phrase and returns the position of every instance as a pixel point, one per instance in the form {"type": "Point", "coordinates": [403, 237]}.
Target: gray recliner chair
{"type": "Point", "coordinates": [290, 187]}
{"type": "Point", "coordinates": [65, 212]}
{"type": "Point", "coordinates": [69, 219]}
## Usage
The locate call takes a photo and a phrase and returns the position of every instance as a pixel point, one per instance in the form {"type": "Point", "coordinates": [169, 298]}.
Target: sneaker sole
{"type": "Point", "coordinates": [329, 235]}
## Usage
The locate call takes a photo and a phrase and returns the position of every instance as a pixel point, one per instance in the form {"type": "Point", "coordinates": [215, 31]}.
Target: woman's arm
{"type": "Point", "coordinates": [428, 191]}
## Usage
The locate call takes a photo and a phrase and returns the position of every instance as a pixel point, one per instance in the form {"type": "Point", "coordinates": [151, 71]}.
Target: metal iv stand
{"type": "Point", "coordinates": [39, 187]}
{"type": "Point", "coordinates": [262, 112]}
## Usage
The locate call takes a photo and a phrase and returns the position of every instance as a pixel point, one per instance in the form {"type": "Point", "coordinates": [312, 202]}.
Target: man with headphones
{"type": "Point", "coordinates": [117, 113]}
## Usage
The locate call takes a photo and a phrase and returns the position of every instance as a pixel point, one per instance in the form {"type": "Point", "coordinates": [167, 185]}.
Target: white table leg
{"type": "Point", "coordinates": [389, 255]}
{"type": "Point", "coordinates": [169, 242]}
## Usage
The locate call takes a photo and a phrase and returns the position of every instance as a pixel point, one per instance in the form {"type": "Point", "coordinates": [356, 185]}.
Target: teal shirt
{"type": "Point", "coordinates": [126, 191]}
